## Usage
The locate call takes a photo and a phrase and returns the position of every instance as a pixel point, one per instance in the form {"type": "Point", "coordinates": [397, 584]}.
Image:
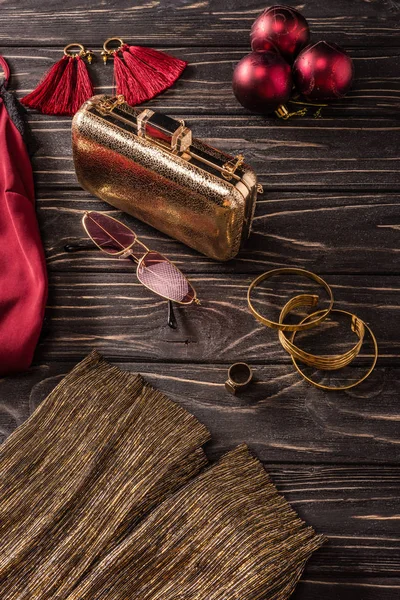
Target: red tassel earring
{"type": "Point", "coordinates": [141, 73]}
{"type": "Point", "coordinates": [65, 86]}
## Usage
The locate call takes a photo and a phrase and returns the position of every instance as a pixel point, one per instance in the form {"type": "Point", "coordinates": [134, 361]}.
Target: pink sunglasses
{"type": "Point", "coordinates": [153, 269]}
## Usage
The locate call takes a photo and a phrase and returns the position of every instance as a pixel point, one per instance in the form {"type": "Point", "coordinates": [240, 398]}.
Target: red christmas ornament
{"type": "Point", "coordinates": [262, 81]}
{"type": "Point", "coordinates": [282, 26]}
{"type": "Point", "coordinates": [323, 71]}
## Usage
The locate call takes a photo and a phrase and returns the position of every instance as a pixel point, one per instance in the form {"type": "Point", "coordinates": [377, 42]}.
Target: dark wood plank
{"type": "Point", "coordinates": [357, 508]}
{"type": "Point", "coordinates": [321, 231]}
{"type": "Point", "coordinates": [207, 22]}
{"type": "Point", "coordinates": [281, 417]}
{"type": "Point", "coordinates": [205, 87]}
{"type": "Point", "coordinates": [118, 315]}
{"type": "Point", "coordinates": [318, 154]}
{"type": "Point", "coordinates": [348, 589]}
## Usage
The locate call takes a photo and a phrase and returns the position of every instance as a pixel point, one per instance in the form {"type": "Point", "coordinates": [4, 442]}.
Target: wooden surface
{"type": "Point", "coordinates": [331, 205]}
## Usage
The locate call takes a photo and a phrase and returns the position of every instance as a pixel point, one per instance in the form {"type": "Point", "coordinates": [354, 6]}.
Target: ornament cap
{"type": "Point", "coordinates": [282, 112]}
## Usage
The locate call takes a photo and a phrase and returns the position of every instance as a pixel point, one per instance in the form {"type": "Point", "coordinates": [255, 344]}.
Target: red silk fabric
{"type": "Point", "coordinates": [23, 279]}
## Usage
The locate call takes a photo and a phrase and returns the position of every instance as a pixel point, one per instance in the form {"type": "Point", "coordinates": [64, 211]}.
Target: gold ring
{"type": "Point", "coordinates": [351, 385]}
{"type": "Point", "coordinates": [81, 52]}
{"type": "Point", "coordinates": [113, 39]}
{"type": "Point", "coordinates": [312, 299]}
{"type": "Point", "coordinates": [239, 377]}
{"type": "Point", "coordinates": [323, 362]}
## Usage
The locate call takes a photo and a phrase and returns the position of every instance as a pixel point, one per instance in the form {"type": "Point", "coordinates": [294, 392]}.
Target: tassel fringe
{"type": "Point", "coordinates": [140, 75]}
{"type": "Point", "coordinates": [143, 73]}
{"type": "Point", "coordinates": [84, 87]}
{"type": "Point", "coordinates": [63, 89]}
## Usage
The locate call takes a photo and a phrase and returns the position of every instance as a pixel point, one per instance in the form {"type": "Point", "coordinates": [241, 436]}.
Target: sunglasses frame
{"type": "Point", "coordinates": [126, 254]}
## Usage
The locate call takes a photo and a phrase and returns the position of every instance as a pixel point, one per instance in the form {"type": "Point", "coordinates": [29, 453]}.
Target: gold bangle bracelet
{"type": "Point", "coordinates": [323, 362]}
{"type": "Point", "coordinates": [350, 385]}
{"type": "Point", "coordinates": [300, 326]}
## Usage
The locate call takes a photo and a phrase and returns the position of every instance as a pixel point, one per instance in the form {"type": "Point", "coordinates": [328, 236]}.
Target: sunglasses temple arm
{"type": "Point", "coordinates": [79, 246]}
{"type": "Point", "coordinates": [171, 316]}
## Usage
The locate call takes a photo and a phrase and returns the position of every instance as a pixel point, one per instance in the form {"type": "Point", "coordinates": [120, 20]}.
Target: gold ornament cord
{"type": "Point", "coordinates": [102, 496]}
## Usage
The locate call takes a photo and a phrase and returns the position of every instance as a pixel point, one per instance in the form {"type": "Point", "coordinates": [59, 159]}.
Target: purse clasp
{"type": "Point", "coordinates": [164, 130]}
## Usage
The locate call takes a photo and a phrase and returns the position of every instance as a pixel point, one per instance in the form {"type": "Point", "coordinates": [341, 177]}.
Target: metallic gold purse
{"type": "Point", "coordinates": [148, 165]}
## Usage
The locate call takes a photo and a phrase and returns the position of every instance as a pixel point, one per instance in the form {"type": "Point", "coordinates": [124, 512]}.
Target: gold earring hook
{"type": "Point", "coordinates": [109, 52]}
{"type": "Point", "coordinates": [83, 53]}
{"type": "Point", "coordinates": [68, 52]}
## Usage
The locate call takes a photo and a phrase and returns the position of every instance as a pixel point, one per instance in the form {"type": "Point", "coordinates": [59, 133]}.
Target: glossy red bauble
{"type": "Point", "coordinates": [262, 81]}
{"type": "Point", "coordinates": [323, 71]}
{"type": "Point", "coordinates": [282, 26]}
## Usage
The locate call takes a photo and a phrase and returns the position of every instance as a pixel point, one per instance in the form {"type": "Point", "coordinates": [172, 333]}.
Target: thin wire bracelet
{"type": "Point", "coordinates": [348, 386]}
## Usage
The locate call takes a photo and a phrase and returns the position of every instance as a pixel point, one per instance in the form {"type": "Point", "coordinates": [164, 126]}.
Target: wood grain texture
{"type": "Point", "coordinates": [356, 507]}
{"type": "Point", "coordinates": [120, 317]}
{"type": "Point", "coordinates": [325, 232]}
{"type": "Point", "coordinates": [343, 589]}
{"type": "Point", "coordinates": [192, 22]}
{"type": "Point", "coordinates": [206, 87]}
{"type": "Point", "coordinates": [282, 418]}
{"type": "Point", "coordinates": [313, 154]}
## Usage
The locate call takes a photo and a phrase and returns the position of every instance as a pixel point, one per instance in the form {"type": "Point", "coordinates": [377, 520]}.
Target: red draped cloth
{"type": "Point", "coordinates": [23, 280]}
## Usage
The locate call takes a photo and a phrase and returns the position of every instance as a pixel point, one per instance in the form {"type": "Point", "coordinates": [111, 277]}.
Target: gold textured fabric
{"type": "Point", "coordinates": [97, 455]}
{"type": "Point", "coordinates": [102, 498]}
{"type": "Point", "coordinates": [227, 535]}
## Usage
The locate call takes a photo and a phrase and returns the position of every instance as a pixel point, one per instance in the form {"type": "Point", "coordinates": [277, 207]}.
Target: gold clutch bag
{"type": "Point", "coordinates": [148, 165]}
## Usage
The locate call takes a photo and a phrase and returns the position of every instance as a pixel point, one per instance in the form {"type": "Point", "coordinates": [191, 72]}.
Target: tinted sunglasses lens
{"type": "Point", "coordinates": [163, 278]}
{"type": "Point", "coordinates": [112, 236]}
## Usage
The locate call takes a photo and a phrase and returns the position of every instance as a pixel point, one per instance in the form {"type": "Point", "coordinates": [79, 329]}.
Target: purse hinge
{"type": "Point", "coordinates": [107, 105]}
{"type": "Point", "coordinates": [230, 167]}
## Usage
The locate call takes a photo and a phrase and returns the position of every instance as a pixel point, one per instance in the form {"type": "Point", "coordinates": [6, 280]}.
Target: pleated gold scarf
{"type": "Point", "coordinates": [101, 498]}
